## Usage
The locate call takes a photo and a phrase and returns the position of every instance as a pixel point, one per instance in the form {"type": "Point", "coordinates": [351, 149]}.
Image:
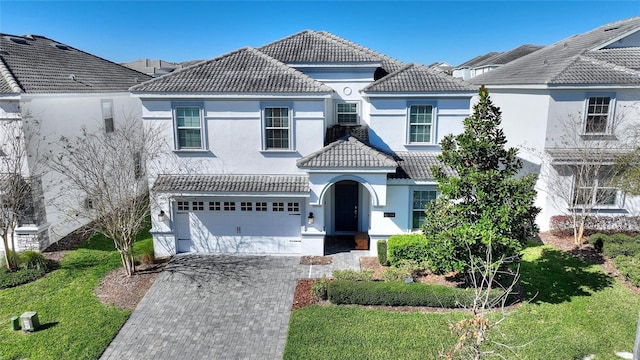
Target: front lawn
{"type": "Point", "coordinates": [74, 324]}
{"type": "Point", "coordinates": [575, 309]}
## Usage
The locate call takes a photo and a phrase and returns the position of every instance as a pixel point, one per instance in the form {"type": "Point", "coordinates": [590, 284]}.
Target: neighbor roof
{"type": "Point", "coordinates": [242, 71]}
{"type": "Point", "coordinates": [232, 183]}
{"type": "Point", "coordinates": [347, 152]}
{"type": "Point", "coordinates": [34, 64]}
{"type": "Point", "coordinates": [508, 56]}
{"type": "Point", "coordinates": [478, 59]}
{"type": "Point", "coordinates": [578, 60]}
{"type": "Point", "coordinates": [313, 47]}
{"type": "Point", "coordinates": [416, 78]}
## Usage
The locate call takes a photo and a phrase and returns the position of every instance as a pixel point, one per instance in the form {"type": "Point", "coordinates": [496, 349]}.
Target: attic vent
{"type": "Point", "coordinates": [29, 36]}
{"type": "Point", "coordinates": [72, 77]}
{"type": "Point", "coordinates": [545, 61]}
{"type": "Point", "coordinates": [135, 80]}
{"type": "Point", "coordinates": [565, 45]}
{"type": "Point", "coordinates": [16, 39]}
{"type": "Point", "coordinates": [612, 28]}
{"type": "Point", "coordinates": [60, 46]}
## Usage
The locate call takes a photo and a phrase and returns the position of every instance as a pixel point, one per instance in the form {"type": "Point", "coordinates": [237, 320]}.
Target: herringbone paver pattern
{"type": "Point", "coordinates": [213, 307]}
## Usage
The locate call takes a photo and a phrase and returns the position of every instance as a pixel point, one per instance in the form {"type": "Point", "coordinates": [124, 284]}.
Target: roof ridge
{"type": "Point", "coordinates": [9, 78]}
{"type": "Point", "coordinates": [375, 152]}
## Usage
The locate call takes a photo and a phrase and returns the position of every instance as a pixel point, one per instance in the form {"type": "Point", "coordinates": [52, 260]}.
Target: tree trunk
{"type": "Point", "coordinates": [580, 234]}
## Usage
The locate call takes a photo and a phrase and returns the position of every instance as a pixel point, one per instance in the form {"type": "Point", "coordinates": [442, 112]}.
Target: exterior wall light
{"type": "Point", "coordinates": [161, 216]}
{"type": "Point", "coordinates": [310, 219]}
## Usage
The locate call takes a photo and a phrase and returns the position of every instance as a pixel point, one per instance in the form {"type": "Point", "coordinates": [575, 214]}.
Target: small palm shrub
{"type": "Point", "coordinates": [30, 259]}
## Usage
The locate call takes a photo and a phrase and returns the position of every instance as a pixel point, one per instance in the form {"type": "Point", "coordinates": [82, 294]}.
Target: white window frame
{"type": "Point", "coordinates": [594, 188]}
{"type": "Point", "coordinates": [610, 113]}
{"type": "Point", "coordinates": [413, 209]}
{"type": "Point", "coordinates": [338, 113]}
{"type": "Point", "coordinates": [434, 122]}
{"type": "Point", "coordinates": [176, 128]}
{"type": "Point", "coordinates": [290, 130]}
{"type": "Point", "coordinates": [108, 119]}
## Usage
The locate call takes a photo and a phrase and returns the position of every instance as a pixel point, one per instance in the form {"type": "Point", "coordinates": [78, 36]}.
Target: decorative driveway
{"type": "Point", "coordinates": [213, 307]}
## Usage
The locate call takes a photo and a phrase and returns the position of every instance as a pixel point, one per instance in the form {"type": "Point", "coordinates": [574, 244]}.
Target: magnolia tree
{"type": "Point", "coordinates": [106, 173]}
{"type": "Point", "coordinates": [19, 180]}
{"type": "Point", "coordinates": [582, 175]}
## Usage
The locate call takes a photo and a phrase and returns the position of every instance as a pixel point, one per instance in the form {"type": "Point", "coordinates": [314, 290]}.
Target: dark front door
{"type": "Point", "coordinates": [346, 206]}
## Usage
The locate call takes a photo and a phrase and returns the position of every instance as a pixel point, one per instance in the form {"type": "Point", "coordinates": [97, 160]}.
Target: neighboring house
{"type": "Point", "coordinates": [274, 149]}
{"type": "Point", "coordinates": [156, 68]}
{"type": "Point", "coordinates": [490, 61]}
{"type": "Point", "coordinates": [590, 80]}
{"type": "Point", "coordinates": [63, 89]}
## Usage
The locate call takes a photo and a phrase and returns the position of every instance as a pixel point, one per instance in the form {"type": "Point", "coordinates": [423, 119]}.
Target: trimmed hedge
{"type": "Point", "coordinates": [407, 247]}
{"type": "Point", "coordinates": [562, 225]}
{"type": "Point", "coordinates": [19, 277]}
{"type": "Point", "coordinates": [382, 253]}
{"type": "Point", "coordinates": [399, 294]}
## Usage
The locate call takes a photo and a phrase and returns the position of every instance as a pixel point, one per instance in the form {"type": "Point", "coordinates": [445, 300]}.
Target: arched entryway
{"type": "Point", "coordinates": [348, 208]}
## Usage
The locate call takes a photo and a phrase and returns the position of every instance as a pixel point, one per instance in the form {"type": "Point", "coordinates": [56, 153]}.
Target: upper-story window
{"type": "Point", "coordinates": [598, 115]}
{"type": "Point", "coordinates": [277, 128]}
{"type": "Point", "coordinates": [421, 124]}
{"type": "Point", "coordinates": [189, 128]}
{"type": "Point", "coordinates": [107, 116]}
{"type": "Point", "coordinates": [347, 113]}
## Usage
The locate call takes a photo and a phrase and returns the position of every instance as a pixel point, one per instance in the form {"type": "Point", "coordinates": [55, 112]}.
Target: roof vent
{"type": "Point", "coordinates": [565, 45]}
{"type": "Point", "coordinates": [135, 80]}
{"type": "Point", "coordinates": [545, 61]}
{"type": "Point", "coordinates": [612, 28]}
{"type": "Point", "coordinates": [29, 36]}
{"type": "Point", "coordinates": [60, 46]}
{"type": "Point", "coordinates": [72, 77]}
{"type": "Point", "coordinates": [16, 39]}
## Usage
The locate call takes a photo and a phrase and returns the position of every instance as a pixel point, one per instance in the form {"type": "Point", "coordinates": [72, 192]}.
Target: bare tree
{"type": "Point", "coordinates": [582, 173]}
{"type": "Point", "coordinates": [105, 171]}
{"type": "Point", "coordinates": [19, 180]}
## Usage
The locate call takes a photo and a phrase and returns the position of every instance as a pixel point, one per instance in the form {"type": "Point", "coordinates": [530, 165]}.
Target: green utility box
{"type": "Point", "coordinates": [15, 323]}
{"type": "Point", "coordinates": [29, 321]}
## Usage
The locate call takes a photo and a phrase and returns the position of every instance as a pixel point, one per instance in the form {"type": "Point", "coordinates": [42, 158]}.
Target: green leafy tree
{"type": "Point", "coordinates": [482, 200]}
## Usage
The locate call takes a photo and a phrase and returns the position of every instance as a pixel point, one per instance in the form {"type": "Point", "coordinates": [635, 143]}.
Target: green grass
{"type": "Point", "coordinates": [74, 324]}
{"type": "Point", "coordinates": [575, 310]}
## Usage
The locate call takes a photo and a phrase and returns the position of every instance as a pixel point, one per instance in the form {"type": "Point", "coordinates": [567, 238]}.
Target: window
{"type": "Point", "coordinates": [594, 190]}
{"type": "Point", "coordinates": [277, 127]}
{"type": "Point", "coordinates": [229, 206]}
{"type": "Point", "coordinates": [183, 206]}
{"type": "Point", "coordinates": [293, 207]}
{"type": "Point", "coordinates": [420, 123]}
{"type": "Point", "coordinates": [246, 206]}
{"type": "Point", "coordinates": [261, 206]}
{"type": "Point", "coordinates": [420, 200]}
{"type": "Point", "coordinates": [347, 113]}
{"type": "Point", "coordinates": [197, 206]}
{"type": "Point", "coordinates": [188, 127]}
{"type": "Point", "coordinates": [214, 206]}
{"type": "Point", "coordinates": [278, 206]}
{"type": "Point", "coordinates": [89, 204]}
{"type": "Point", "coordinates": [107, 116]}
{"type": "Point", "coordinates": [596, 121]}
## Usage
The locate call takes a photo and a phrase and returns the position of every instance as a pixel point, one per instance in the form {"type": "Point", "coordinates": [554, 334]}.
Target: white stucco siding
{"type": "Point", "coordinates": [234, 136]}
{"type": "Point", "coordinates": [397, 209]}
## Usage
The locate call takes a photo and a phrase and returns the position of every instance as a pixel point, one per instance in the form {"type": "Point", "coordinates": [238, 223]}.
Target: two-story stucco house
{"type": "Point", "coordinates": [272, 150]}
{"type": "Point", "coordinates": [589, 80]}
{"type": "Point", "coordinates": [62, 89]}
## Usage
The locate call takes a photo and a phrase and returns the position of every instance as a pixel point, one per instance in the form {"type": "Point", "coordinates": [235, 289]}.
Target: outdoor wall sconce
{"type": "Point", "coordinates": [310, 219]}
{"type": "Point", "coordinates": [161, 216]}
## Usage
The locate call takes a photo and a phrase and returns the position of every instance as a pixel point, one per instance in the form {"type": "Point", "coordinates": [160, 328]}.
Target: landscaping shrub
{"type": "Point", "coordinates": [352, 275]}
{"type": "Point", "coordinates": [13, 256]}
{"type": "Point", "coordinates": [382, 253]}
{"type": "Point", "coordinates": [319, 288]}
{"type": "Point", "coordinates": [22, 276]}
{"type": "Point", "coordinates": [407, 247]}
{"type": "Point", "coordinates": [616, 244]}
{"type": "Point", "coordinates": [395, 274]}
{"type": "Point", "coordinates": [398, 294]}
{"type": "Point", "coordinates": [146, 255]}
{"type": "Point", "coordinates": [562, 225]}
{"type": "Point", "coordinates": [30, 259]}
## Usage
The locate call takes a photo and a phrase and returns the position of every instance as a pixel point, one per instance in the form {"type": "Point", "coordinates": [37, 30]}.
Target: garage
{"type": "Point", "coordinates": [238, 225]}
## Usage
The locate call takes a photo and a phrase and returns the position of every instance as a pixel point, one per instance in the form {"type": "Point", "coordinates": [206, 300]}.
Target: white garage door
{"type": "Point", "coordinates": [267, 226]}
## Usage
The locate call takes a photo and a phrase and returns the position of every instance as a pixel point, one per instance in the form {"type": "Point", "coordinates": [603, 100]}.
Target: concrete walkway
{"type": "Point", "coordinates": [218, 307]}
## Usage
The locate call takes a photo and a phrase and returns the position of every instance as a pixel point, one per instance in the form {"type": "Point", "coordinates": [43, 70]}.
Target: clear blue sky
{"type": "Point", "coordinates": [411, 31]}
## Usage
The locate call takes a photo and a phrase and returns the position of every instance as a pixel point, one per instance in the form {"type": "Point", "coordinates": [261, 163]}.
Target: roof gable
{"type": "Point", "coordinates": [242, 71]}
{"type": "Point", "coordinates": [347, 152]}
{"type": "Point", "coordinates": [37, 65]}
{"type": "Point", "coordinates": [416, 78]}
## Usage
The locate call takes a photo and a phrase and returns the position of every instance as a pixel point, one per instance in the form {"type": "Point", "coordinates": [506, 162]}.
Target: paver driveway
{"type": "Point", "coordinates": [213, 307]}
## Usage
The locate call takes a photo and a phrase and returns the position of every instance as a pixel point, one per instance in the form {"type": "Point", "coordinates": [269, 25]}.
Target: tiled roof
{"type": "Point", "coordinates": [232, 183]}
{"type": "Point", "coordinates": [347, 152]}
{"type": "Point", "coordinates": [337, 131]}
{"type": "Point", "coordinates": [417, 165]}
{"type": "Point", "coordinates": [416, 78]}
{"type": "Point", "coordinates": [586, 70]}
{"type": "Point", "coordinates": [508, 56]}
{"type": "Point", "coordinates": [478, 59]}
{"type": "Point", "coordinates": [37, 65]}
{"type": "Point", "coordinates": [627, 57]}
{"type": "Point", "coordinates": [242, 71]}
{"type": "Point", "coordinates": [312, 47]}
{"type": "Point", "coordinates": [553, 63]}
